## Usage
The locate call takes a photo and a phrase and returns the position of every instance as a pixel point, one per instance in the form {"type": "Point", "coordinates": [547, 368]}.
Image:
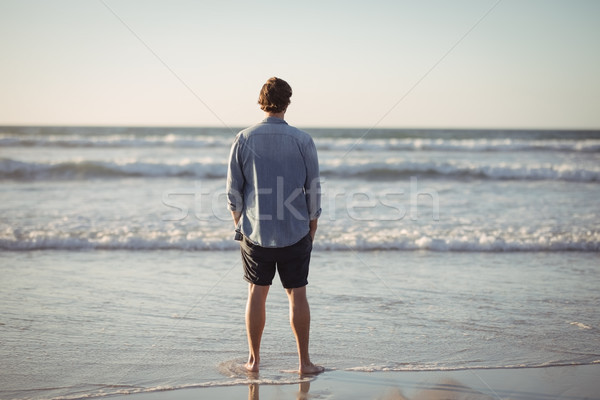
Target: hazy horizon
{"type": "Point", "coordinates": [353, 128]}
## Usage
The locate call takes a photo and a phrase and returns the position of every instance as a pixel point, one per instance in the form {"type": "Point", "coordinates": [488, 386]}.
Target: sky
{"type": "Point", "coordinates": [498, 64]}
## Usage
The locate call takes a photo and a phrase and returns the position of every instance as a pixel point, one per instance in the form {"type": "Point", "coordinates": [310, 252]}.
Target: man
{"type": "Point", "coordinates": [273, 193]}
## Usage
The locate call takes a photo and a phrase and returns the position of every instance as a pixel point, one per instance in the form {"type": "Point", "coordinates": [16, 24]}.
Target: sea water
{"type": "Point", "coordinates": [436, 250]}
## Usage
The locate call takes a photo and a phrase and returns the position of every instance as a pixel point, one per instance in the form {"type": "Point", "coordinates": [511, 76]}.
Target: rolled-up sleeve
{"type": "Point", "coordinates": [312, 185]}
{"type": "Point", "coordinates": [235, 178]}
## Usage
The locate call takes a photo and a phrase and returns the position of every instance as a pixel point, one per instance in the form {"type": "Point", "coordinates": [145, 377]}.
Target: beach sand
{"type": "Point", "coordinates": [563, 382]}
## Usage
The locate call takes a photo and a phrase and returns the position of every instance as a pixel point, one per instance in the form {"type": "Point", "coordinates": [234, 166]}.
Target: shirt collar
{"type": "Point", "coordinates": [273, 120]}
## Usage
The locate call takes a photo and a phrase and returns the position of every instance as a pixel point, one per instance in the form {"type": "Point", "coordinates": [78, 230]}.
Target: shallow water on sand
{"type": "Point", "coordinates": [100, 322]}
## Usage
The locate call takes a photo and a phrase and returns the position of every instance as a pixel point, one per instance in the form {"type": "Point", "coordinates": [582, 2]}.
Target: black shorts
{"type": "Point", "coordinates": [291, 262]}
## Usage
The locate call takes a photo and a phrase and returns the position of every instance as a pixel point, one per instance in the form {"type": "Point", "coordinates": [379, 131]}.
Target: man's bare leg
{"type": "Point", "coordinates": [255, 323]}
{"type": "Point", "coordinates": [300, 322]}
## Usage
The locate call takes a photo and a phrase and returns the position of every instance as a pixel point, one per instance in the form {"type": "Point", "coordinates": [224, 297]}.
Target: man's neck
{"type": "Point", "coordinates": [279, 115]}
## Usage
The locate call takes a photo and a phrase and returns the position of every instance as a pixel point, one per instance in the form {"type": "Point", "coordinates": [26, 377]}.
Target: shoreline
{"type": "Point", "coordinates": [575, 382]}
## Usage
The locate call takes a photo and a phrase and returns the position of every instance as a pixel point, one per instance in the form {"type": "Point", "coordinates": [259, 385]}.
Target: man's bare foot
{"type": "Point", "coordinates": [251, 366]}
{"type": "Point", "coordinates": [311, 369]}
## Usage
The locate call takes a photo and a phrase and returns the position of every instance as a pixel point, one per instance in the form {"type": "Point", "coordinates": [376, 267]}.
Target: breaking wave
{"type": "Point", "coordinates": [196, 241]}
{"type": "Point", "coordinates": [18, 170]}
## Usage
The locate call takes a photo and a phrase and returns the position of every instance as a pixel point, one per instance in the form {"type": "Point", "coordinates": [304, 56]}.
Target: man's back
{"type": "Point", "coordinates": [274, 169]}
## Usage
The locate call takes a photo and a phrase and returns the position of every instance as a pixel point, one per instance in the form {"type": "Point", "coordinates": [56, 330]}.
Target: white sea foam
{"type": "Point", "coordinates": [396, 367]}
{"type": "Point", "coordinates": [215, 239]}
{"type": "Point", "coordinates": [581, 325]}
{"type": "Point", "coordinates": [460, 145]}
{"type": "Point", "coordinates": [456, 169]}
{"type": "Point", "coordinates": [187, 140]}
{"type": "Point", "coordinates": [12, 169]}
{"type": "Point", "coordinates": [113, 141]}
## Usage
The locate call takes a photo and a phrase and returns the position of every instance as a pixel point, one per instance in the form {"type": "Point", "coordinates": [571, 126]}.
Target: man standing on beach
{"type": "Point", "coordinates": [274, 196]}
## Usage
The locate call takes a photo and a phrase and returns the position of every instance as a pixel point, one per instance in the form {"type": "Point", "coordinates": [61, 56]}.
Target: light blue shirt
{"type": "Point", "coordinates": [273, 180]}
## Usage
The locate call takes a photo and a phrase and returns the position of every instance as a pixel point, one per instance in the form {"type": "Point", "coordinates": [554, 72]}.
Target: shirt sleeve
{"type": "Point", "coordinates": [312, 186]}
{"type": "Point", "coordinates": [235, 179]}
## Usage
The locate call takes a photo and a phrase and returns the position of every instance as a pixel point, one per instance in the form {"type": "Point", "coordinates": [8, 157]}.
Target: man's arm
{"type": "Point", "coordinates": [235, 183]}
{"type": "Point", "coordinates": [312, 185]}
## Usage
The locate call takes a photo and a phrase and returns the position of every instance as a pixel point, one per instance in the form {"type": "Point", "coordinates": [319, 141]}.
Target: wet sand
{"type": "Point", "coordinates": [568, 382]}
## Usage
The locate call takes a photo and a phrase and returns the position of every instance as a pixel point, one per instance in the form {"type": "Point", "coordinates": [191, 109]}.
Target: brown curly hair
{"type": "Point", "coordinates": [275, 95]}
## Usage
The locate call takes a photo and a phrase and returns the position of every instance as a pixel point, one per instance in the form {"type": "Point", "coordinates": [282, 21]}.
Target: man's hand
{"type": "Point", "coordinates": [236, 215]}
{"type": "Point", "coordinates": [313, 228]}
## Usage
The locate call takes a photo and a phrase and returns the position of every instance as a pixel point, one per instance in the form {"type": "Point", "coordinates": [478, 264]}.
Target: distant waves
{"type": "Point", "coordinates": [388, 169]}
{"type": "Point", "coordinates": [122, 188]}
{"type": "Point", "coordinates": [343, 144]}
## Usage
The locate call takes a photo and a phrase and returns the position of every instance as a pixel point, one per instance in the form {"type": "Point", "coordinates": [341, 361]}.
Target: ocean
{"type": "Point", "coordinates": [436, 250]}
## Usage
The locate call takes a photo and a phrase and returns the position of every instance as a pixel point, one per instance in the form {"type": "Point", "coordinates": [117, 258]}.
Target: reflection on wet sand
{"type": "Point", "coordinates": [447, 389]}
{"type": "Point", "coordinates": [302, 394]}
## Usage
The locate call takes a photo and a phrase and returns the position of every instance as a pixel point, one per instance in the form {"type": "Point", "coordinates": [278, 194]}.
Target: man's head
{"type": "Point", "coordinates": [275, 95]}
